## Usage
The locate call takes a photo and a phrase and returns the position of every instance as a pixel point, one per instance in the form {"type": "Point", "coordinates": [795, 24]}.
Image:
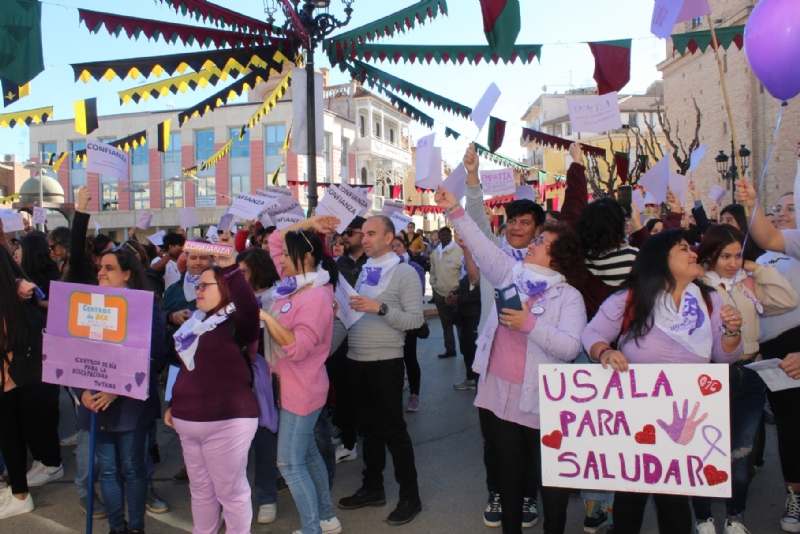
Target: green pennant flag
{"type": "Point", "coordinates": [501, 24]}
{"type": "Point", "coordinates": [21, 40]}
{"type": "Point", "coordinates": [449, 132]}
{"type": "Point", "coordinates": [497, 131]}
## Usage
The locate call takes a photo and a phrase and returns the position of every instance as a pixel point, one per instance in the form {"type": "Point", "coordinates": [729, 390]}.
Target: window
{"type": "Point", "coordinates": [326, 156]}
{"type": "Point", "coordinates": [203, 144]}
{"type": "Point", "coordinates": [75, 146]}
{"type": "Point", "coordinates": [391, 136]}
{"type": "Point", "coordinates": [46, 150]}
{"type": "Point", "coordinates": [363, 176]}
{"type": "Point", "coordinates": [633, 119]}
{"type": "Point", "coordinates": [173, 193]}
{"type": "Point", "coordinates": [697, 22]}
{"type": "Point", "coordinates": [725, 62]}
{"type": "Point", "coordinates": [568, 126]}
{"type": "Point", "coordinates": [362, 126]}
{"type": "Point", "coordinates": [206, 187]}
{"type": "Point", "coordinates": [140, 156]}
{"type": "Point", "coordinates": [240, 183]}
{"type": "Point", "coordinates": [108, 197]}
{"type": "Point", "coordinates": [240, 149]}
{"type": "Point", "coordinates": [141, 201]}
{"type": "Point", "coordinates": [725, 128]}
{"type": "Point", "coordinates": [376, 130]}
{"type": "Point", "coordinates": [345, 152]}
{"type": "Point", "coordinates": [173, 153]}
{"type": "Point", "coordinates": [274, 138]}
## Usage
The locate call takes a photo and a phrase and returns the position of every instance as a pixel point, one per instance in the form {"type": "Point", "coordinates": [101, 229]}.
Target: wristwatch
{"type": "Point", "coordinates": [384, 309]}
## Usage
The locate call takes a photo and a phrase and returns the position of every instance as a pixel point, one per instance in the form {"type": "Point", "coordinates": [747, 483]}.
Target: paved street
{"type": "Point", "coordinates": [447, 445]}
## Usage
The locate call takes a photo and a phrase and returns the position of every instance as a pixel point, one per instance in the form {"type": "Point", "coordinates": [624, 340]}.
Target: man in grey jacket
{"type": "Point", "coordinates": [389, 297]}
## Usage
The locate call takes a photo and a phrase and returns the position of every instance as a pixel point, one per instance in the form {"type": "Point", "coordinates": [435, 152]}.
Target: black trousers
{"type": "Point", "coordinates": [377, 389]}
{"type": "Point", "coordinates": [673, 512]}
{"type": "Point", "coordinates": [412, 365]}
{"type": "Point", "coordinates": [446, 316]}
{"type": "Point", "coordinates": [29, 420]}
{"type": "Point", "coordinates": [519, 447]}
{"type": "Point", "coordinates": [467, 336]}
{"type": "Point", "coordinates": [785, 406]}
{"type": "Point", "coordinates": [344, 414]}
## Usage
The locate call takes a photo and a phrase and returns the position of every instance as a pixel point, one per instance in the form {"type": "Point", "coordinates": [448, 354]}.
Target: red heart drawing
{"type": "Point", "coordinates": [714, 476]}
{"type": "Point", "coordinates": [552, 440]}
{"type": "Point", "coordinates": [708, 386]}
{"type": "Point", "coordinates": [647, 436]}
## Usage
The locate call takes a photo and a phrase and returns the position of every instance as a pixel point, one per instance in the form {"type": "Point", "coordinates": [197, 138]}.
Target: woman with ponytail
{"type": "Point", "coordinates": [298, 312]}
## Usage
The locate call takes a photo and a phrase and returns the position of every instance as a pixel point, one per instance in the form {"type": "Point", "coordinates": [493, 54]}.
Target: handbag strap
{"type": "Point", "coordinates": [242, 350]}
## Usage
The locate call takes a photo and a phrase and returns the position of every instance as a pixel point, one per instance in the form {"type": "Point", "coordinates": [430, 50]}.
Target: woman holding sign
{"type": "Point", "coordinates": [299, 317]}
{"type": "Point", "coordinates": [663, 314]}
{"type": "Point", "coordinates": [541, 323]}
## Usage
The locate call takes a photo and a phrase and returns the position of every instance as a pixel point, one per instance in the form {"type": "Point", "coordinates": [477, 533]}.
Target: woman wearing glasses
{"type": "Point", "coordinates": [337, 245]}
{"type": "Point", "coordinates": [299, 317]}
{"type": "Point", "coordinates": [213, 407]}
{"type": "Point", "coordinates": [546, 329]}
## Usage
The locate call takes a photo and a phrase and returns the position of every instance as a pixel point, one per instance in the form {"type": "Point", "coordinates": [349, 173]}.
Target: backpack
{"type": "Point", "coordinates": [260, 383]}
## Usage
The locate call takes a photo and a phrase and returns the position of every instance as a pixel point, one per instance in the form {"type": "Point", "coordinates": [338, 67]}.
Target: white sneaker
{"type": "Point", "coordinates": [3, 482]}
{"type": "Point", "coordinates": [69, 441]}
{"type": "Point", "coordinates": [735, 527]}
{"type": "Point", "coordinates": [707, 527]}
{"type": "Point", "coordinates": [267, 513]}
{"type": "Point", "coordinates": [331, 526]}
{"type": "Point", "coordinates": [790, 522]}
{"type": "Point", "coordinates": [11, 506]}
{"type": "Point", "coordinates": [344, 454]}
{"type": "Point", "coordinates": [40, 474]}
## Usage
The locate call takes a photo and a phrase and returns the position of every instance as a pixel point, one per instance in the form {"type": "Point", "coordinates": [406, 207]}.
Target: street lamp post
{"type": "Point", "coordinates": [730, 174]}
{"type": "Point", "coordinates": [314, 29]}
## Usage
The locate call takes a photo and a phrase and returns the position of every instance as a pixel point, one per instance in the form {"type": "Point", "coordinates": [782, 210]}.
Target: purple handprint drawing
{"type": "Point", "coordinates": [692, 309]}
{"type": "Point", "coordinates": [682, 428]}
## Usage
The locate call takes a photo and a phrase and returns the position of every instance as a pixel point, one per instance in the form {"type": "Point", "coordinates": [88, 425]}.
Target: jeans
{"type": "Point", "coordinates": [446, 316]}
{"type": "Point", "coordinates": [265, 450]}
{"type": "Point", "coordinates": [518, 449]}
{"type": "Point", "coordinates": [82, 461]}
{"type": "Point", "coordinates": [120, 456]}
{"type": "Point", "coordinates": [378, 396]}
{"type": "Point", "coordinates": [747, 396]}
{"type": "Point", "coordinates": [344, 413]}
{"type": "Point", "coordinates": [412, 365]}
{"type": "Point", "coordinates": [301, 465]}
{"type": "Point", "coordinates": [467, 337]}
{"type": "Point", "coordinates": [322, 435]}
{"type": "Point", "coordinates": [673, 512]}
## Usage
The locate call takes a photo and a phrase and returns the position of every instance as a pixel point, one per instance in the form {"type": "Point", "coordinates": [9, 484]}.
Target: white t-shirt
{"type": "Point", "coordinates": [171, 273]}
{"type": "Point", "coordinates": [788, 265]}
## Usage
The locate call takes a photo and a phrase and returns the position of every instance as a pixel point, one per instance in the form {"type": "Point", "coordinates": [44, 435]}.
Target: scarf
{"type": "Point", "coordinates": [715, 280]}
{"type": "Point", "coordinates": [516, 253]}
{"type": "Point", "coordinates": [688, 324]}
{"type": "Point", "coordinates": [376, 275]}
{"type": "Point", "coordinates": [188, 336]}
{"type": "Point", "coordinates": [532, 280]}
{"type": "Point", "coordinates": [441, 250]}
{"type": "Point", "coordinates": [189, 283]}
{"type": "Point", "coordinates": [291, 284]}
{"type": "Point", "coordinates": [405, 258]}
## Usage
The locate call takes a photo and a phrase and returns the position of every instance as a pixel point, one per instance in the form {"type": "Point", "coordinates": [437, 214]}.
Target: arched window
{"type": "Point", "coordinates": [363, 176]}
{"type": "Point", "coordinates": [362, 125]}
{"type": "Point", "coordinates": [377, 130]}
{"type": "Point", "coordinates": [391, 136]}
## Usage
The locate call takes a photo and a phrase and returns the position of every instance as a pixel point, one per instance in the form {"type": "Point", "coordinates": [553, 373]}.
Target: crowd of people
{"type": "Point", "coordinates": [259, 360]}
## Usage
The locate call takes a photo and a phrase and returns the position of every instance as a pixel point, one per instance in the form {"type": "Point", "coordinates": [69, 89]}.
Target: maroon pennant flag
{"type": "Point", "coordinates": [497, 131]}
{"type": "Point", "coordinates": [612, 65]}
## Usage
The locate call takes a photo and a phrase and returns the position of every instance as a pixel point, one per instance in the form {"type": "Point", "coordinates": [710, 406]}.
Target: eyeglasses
{"type": "Point", "coordinates": [340, 243]}
{"type": "Point", "coordinates": [203, 285]}
{"type": "Point", "coordinates": [540, 240]}
{"type": "Point", "coordinates": [300, 232]}
{"type": "Point", "coordinates": [350, 232]}
{"type": "Point", "coordinates": [778, 209]}
{"type": "Point", "coordinates": [52, 247]}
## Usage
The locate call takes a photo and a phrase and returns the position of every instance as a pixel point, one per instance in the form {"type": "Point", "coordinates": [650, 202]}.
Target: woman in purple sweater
{"type": "Point", "coordinates": [213, 406]}
{"type": "Point", "coordinates": [663, 314]}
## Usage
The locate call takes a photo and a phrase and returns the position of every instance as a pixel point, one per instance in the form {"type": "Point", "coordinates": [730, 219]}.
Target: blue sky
{"type": "Point", "coordinates": [562, 27]}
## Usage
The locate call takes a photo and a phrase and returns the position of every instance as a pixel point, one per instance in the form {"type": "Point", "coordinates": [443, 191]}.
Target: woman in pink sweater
{"type": "Point", "coordinates": [298, 312]}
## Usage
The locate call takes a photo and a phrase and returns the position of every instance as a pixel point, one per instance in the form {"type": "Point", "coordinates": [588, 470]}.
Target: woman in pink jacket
{"type": "Point", "coordinates": [298, 312]}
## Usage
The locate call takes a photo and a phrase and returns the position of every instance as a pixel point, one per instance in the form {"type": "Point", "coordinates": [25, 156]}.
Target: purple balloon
{"type": "Point", "coordinates": [772, 46]}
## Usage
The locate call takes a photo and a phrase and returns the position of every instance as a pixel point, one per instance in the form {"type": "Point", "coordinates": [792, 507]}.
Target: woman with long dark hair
{"type": "Point", "coordinates": [299, 317]}
{"type": "Point", "coordinates": [521, 340]}
{"type": "Point", "coordinates": [672, 318]}
{"type": "Point", "coordinates": [37, 263]}
{"type": "Point", "coordinates": [28, 407]}
{"type": "Point", "coordinates": [763, 293]}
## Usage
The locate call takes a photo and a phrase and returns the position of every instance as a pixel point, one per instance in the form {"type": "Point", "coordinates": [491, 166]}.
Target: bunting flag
{"type": "Point", "coordinates": [365, 73]}
{"type": "Point", "coordinates": [128, 143]}
{"type": "Point", "coordinates": [13, 92]}
{"type": "Point", "coordinates": [86, 116]}
{"type": "Point", "coordinates": [501, 24]}
{"type": "Point", "coordinates": [21, 57]}
{"type": "Point", "coordinates": [612, 65]}
{"type": "Point", "coordinates": [399, 21]}
{"type": "Point", "coordinates": [9, 198]}
{"type": "Point", "coordinates": [544, 139]}
{"type": "Point", "coordinates": [701, 40]}
{"type": "Point", "coordinates": [270, 102]}
{"type": "Point", "coordinates": [502, 160]}
{"type": "Point", "coordinates": [497, 131]}
{"type": "Point", "coordinates": [163, 135]}
{"type": "Point", "coordinates": [622, 161]}
{"type": "Point", "coordinates": [449, 132]}
{"type": "Point", "coordinates": [274, 178]}
{"type": "Point", "coordinates": [216, 156]}
{"type": "Point", "coordinates": [172, 85]}
{"type": "Point", "coordinates": [224, 60]}
{"type": "Point", "coordinates": [222, 97]}
{"type": "Point", "coordinates": [56, 163]}
{"type": "Point", "coordinates": [171, 32]}
{"type": "Point", "coordinates": [455, 54]}
{"type": "Point", "coordinates": [407, 109]}
{"type": "Point", "coordinates": [202, 9]}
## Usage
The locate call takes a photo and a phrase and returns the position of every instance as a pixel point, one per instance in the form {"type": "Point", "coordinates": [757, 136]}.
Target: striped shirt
{"type": "Point", "coordinates": [613, 267]}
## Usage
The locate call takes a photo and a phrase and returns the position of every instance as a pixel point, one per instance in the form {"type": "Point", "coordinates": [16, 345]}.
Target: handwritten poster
{"type": "Point", "coordinates": [717, 193]}
{"type": "Point", "coordinates": [594, 113]}
{"type": "Point", "coordinates": [498, 182]}
{"type": "Point", "coordinates": [342, 295]}
{"type": "Point", "coordinates": [390, 206]}
{"type": "Point", "coordinates": [105, 159]}
{"type": "Point", "coordinates": [400, 221]}
{"type": "Point", "coordinates": [655, 429]}
{"type": "Point", "coordinates": [98, 338]}
{"type": "Point", "coordinates": [12, 221]}
{"type": "Point", "coordinates": [285, 215]}
{"type": "Point", "coordinates": [248, 206]}
{"type": "Point", "coordinates": [665, 16]}
{"type": "Point", "coordinates": [39, 215]}
{"type": "Point", "coordinates": [344, 203]}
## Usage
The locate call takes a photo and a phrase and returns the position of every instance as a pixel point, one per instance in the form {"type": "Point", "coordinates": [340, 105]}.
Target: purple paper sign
{"type": "Point", "coordinates": [98, 338]}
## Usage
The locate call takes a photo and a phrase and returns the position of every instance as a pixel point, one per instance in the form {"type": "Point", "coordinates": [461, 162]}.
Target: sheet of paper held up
{"type": "Point", "coordinates": [773, 376]}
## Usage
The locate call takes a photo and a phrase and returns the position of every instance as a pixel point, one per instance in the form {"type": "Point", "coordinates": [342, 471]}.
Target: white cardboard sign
{"type": "Point", "coordinates": [157, 238]}
{"type": "Point", "coordinates": [342, 295]}
{"type": "Point", "coordinates": [248, 206]}
{"type": "Point", "coordinates": [390, 206]}
{"type": "Point", "coordinates": [344, 203]}
{"type": "Point", "coordinates": [106, 159]}
{"type": "Point", "coordinates": [456, 182]}
{"type": "Point", "coordinates": [658, 428]}
{"type": "Point", "coordinates": [12, 221]}
{"type": "Point", "coordinates": [275, 192]}
{"type": "Point", "coordinates": [717, 193]}
{"type": "Point", "coordinates": [696, 157]}
{"type": "Point", "coordinates": [677, 183]}
{"type": "Point", "coordinates": [524, 192]}
{"type": "Point", "coordinates": [428, 168]}
{"type": "Point", "coordinates": [39, 215]}
{"type": "Point", "coordinates": [638, 199]}
{"type": "Point", "coordinates": [188, 218]}
{"type": "Point", "coordinates": [143, 223]}
{"type": "Point", "coordinates": [485, 105]}
{"type": "Point", "coordinates": [498, 182]}
{"type": "Point", "coordinates": [665, 16]}
{"type": "Point", "coordinates": [285, 215]}
{"type": "Point", "coordinates": [594, 114]}
{"type": "Point", "coordinates": [656, 180]}
{"type": "Point", "coordinates": [400, 221]}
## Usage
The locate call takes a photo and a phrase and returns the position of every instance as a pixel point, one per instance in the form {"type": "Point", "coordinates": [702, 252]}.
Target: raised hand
{"type": "Point", "coordinates": [746, 194]}
{"type": "Point", "coordinates": [682, 428]}
{"type": "Point", "coordinates": [576, 153]}
{"type": "Point", "coordinates": [444, 199]}
{"type": "Point", "coordinates": [470, 160]}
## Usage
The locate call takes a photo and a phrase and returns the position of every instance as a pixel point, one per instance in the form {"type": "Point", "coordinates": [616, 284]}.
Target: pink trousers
{"type": "Point", "coordinates": [216, 461]}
